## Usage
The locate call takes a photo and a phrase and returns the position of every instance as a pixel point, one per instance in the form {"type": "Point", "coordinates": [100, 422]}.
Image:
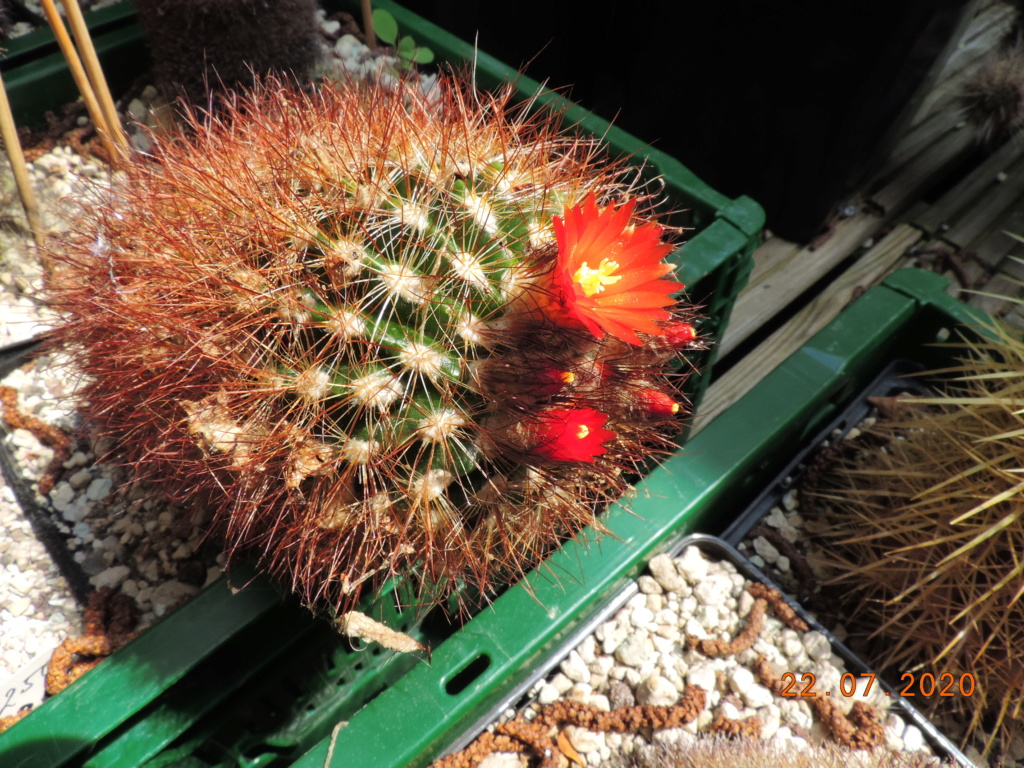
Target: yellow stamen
{"type": "Point", "coordinates": [567, 377]}
{"type": "Point", "coordinates": [594, 280]}
{"type": "Point", "coordinates": [584, 431]}
{"type": "Point", "coordinates": [675, 407]}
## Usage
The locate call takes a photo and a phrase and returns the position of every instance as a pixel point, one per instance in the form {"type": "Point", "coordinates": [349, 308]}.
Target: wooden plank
{"type": "Point", "coordinates": [742, 377]}
{"type": "Point", "coordinates": [982, 37]}
{"type": "Point", "coordinates": [992, 298]}
{"type": "Point", "coordinates": [992, 247]}
{"type": "Point", "coordinates": [915, 177]}
{"type": "Point", "coordinates": [983, 176]}
{"type": "Point", "coordinates": [768, 257]}
{"type": "Point", "coordinates": [786, 279]}
{"type": "Point", "coordinates": [987, 207]}
{"type": "Point", "coordinates": [917, 138]}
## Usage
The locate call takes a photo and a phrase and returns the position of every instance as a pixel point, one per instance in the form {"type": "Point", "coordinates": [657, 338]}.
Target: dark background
{"type": "Point", "coordinates": [790, 102]}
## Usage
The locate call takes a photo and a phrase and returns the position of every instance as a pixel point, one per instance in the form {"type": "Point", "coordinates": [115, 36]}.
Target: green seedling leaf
{"type": "Point", "coordinates": [423, 56]}
{"type": "Point", "coordinates": [406, 48]}
{"type": "Point", "coordinates": [385, 26]}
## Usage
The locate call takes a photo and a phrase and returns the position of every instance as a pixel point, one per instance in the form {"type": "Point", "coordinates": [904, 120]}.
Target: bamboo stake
{"type": "Point", "coordinates": [79, 74]}
{"type": "Point", "coordinates": [371, 38]}
{"type": "Point", "coordinates": [9, 133]}
{"type": "Point", "coordinates": [96, 77]}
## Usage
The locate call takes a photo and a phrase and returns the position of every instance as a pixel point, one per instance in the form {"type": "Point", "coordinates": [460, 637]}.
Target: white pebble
{"type": "Point", "coordinates": [99, 488]}
{"type": "Point", "coordinates": [713, 590]}
{"type": "Point", "coordinates": [913, 739]}
{"type": "Point", "coordinates": [587, 650]}
{"type": "Point", "coordinates": [633, 652]}
{"type": "Point", "coordinates": [575, 668]}
{"type": "Point", "coordinates": [80, 479]}
{"type": "Point", "coordinates": [641, 618]}
{"type": "Point", "coordinates": [501, 760]}
{"type": "Point", "coordinates": [789, 500]}
{"type": "Point", "coordinates": [561, 683]}
{"type": "Point", "coordinates": [583, 740]}
{"type": "Point", "coordinates": [740, 679]}
{"type": "Point", "coordinates": [756, 696]}
{"type": "Point", "coordinates": [649, 585]}
{"type": "Point", "coordinates": [702, 676]}
{"type": "Point", "coordinates": [665, 573]}
{"type": "Point", "coordinates": [692, 566]}
{"type": "Point", "coordinates": [817, 645]}
{"type": "Point", "coordinates": [112, 577]}
{"type": "Point", "coordinates": [614, 635]}
{"type": "Point", "coordinates": [656, 691]}
{"type": "Point", "coordinates": [62, 495]}
{"type": "Point", "coordinates": [766, 549]}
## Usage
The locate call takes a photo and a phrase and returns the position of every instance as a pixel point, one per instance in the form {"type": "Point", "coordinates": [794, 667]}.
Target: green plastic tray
{"type": "Point", "coordinates": [37, 78]}
{"type": "Point", "coordinates": [699, 489]}
{"type": "Point", "coordinates": [250, 679]}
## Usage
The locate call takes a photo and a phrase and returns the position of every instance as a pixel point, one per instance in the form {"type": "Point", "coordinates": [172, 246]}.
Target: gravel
{"type": "Point", "coordinates": [641, 655]}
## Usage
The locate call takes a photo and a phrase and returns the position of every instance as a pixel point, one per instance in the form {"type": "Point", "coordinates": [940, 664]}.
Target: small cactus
{"type": "Point", "coordinates": [380, 333]}
{"type": "Point", "coordinates": [921, 523]}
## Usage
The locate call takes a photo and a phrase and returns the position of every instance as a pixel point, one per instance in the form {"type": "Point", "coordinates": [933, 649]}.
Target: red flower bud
{"type": "Point", "coordinates": [658, 404]}
{"type": "Point", "coordinates": [552, 380]}
{"type": "Point", "coordinates": [680, 334]}
{"type": "Point", "coordinates": [572, 434]}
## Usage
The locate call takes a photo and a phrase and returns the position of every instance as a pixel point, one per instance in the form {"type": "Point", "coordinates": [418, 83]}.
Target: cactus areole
{"type": "Point", "coordinates": [378, 333]}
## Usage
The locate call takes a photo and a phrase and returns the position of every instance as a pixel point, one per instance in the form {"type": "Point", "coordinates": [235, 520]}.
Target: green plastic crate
{"type": "Point", "coordinates": [698, 489]}
{"type": "Point", "coordinates": [36, 76]}
{"type": "Point", "coordinates": [249, 680]}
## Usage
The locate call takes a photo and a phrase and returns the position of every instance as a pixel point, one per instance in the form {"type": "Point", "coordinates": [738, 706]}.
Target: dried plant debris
{"type": "Point", "coordinates": [992, 98]}
{"type": "Point", "coordinates": [923, 529]}
{"type": "Point", "coordinates": [47, 434]}
{"type": "Point", "coordinates": [539, 736]}
{"type": "Point", "coordinates": [110, 621]}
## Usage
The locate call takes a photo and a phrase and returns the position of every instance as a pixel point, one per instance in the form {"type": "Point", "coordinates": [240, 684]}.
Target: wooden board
{"type": "Point", "coordinates": [769, 256]}
{"type": "Point", "coordinates": [915, 177]}
{"type": "Point", "coordinates": [785, 279]}
{"type": "Point", "coordinates": [992, 299]}
{"type": "Point", "coordinates": [742, 377]}
{"type": "Point", "coordinates": [987, 207]}
{"type": "Point", "coordinates": [918, 138]}
{"type": "Point", "coordinates": [949, 207]}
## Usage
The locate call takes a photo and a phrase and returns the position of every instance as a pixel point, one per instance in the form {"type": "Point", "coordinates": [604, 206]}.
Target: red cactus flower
{"type": "Point", "coordinates": [572, 434]}
{"type": "Point", "coordinates": [610, 276]}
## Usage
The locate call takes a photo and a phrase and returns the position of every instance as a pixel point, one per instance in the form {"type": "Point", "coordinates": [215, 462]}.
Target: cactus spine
{"type": "Point", "coordinates": [382, 333]}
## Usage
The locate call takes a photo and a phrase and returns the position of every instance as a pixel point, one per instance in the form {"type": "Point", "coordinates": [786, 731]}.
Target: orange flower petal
{"type": "Point", "coordinates": [610, 276]}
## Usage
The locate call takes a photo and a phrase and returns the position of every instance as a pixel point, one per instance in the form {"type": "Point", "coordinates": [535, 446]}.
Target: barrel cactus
{"type": "Point", "coordinates": [378, 333]}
